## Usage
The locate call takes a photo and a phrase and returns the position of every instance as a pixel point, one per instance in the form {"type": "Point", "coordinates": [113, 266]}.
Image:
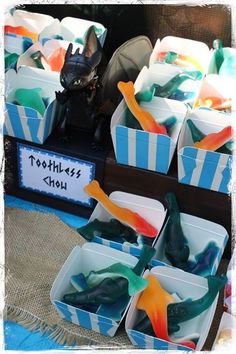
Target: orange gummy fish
{"type": "Point", "coordinates": [182, 60]}
{"type": "Point", "coordinates": [215, 103]}
{"type": "Point", "coordinates": [214, 141]}
{"type": "Point", "coordinates": [154, 301]}
{"type": "Point", "coordinates": [145, 119]}
{"type": "Point", "coordinates": [124, 215]}
{"type": "Point", "coordinates": [22, 31]}
{"type": "Point", "coordinates": [56, 59]}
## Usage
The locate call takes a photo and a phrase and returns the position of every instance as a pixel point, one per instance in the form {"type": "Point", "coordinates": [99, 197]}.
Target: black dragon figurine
{"type": "Point", "coordinates": [81, 98]}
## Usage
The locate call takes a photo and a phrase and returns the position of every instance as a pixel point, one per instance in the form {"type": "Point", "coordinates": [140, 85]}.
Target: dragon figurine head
{"type": "Point", "coordinates": [79, 69]}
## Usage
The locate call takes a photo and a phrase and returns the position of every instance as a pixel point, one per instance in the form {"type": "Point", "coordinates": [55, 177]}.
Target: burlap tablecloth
{"type": "Point", "coordinates": [36, 247]}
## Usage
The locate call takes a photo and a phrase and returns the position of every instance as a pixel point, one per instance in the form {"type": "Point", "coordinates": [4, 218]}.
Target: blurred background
{"type": "Point", "coordinates": [201, 23]}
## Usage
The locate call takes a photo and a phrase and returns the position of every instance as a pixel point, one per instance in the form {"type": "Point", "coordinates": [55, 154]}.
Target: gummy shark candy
{"type": "Point", "coordinates": [110, 229]}
{"type": "Point", "coordinates": [147, 96]}
{"type": "Point", "coordinates": [219, 53]}
{"type": "Point", "coordinates": [145, 119]}
{"type": "Point", "coordinates": [37, 58]}
{"type": "Point", "coordinates": [106, 292]}
{"type": "Point", "coordinates": [154, 301]}
{"type": "Point", "coordinates": [176, 248]}
{"type": "Point", "coordinates": [173, 84]}
{"type": "Point", "coordinates": [185, 61]}
{"type": "Point", "coordinates": [186, 310]}
{"type": "Point", "coordinates": [197, 135]}
{"type": "Point", "coordinates": [124, 215]}
{"type": "Point", "coordinates": [204, 260]}
{"type": "Point", "coordinates": [30, 98]}
{"type": "Point", "coordinates": [10, 59]}
{"type": "Point", "coordinates": [80, 282]}
{"type": "Point", "coordinates": [56, 59]}
{"type": "Point", "coordinates": [116, 309]}
{"type": "Point", "coordinates": [113, 304]}
{"type": "Point", "coordinates": [214, 141]}
{"type": "Point", "coordinates": [135, 283]}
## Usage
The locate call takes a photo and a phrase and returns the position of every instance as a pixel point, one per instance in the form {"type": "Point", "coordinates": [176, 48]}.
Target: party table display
{"type": "Point", "coordinates": [60, 131]}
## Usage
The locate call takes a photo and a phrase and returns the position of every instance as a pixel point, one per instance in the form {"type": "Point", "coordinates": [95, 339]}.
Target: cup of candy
{"type": "Point", "coordinates": [26, 24]}
{"type": "Point", "coordinates": [144, 127]}
{"type": "Point", "coordinates": [188, 242]}
{"type": "Point", "coordinates": [175, 310]}
{"type": "Point", "coordinates": [205, 148]}
{"type": "Point", "coordinates": [31, 109]}
{"type": "Point", "coordinates": [182, 52]}
{"type": "Point", "coordinates": [94, 287]}
{"type": "Point", "coordinates": [123, 221]}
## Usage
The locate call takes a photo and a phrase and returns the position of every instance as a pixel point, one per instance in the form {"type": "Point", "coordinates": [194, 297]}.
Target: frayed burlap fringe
{"type": "Point", "coordinates": [34, 324]}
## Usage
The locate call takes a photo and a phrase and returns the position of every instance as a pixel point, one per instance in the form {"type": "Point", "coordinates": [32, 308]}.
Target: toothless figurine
{"type": "Point", "coordinates": [80, 77]}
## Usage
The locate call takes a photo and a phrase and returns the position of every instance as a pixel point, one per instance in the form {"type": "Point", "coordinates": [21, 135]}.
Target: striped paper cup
{"type": "Point", "coordinates": [89, 257]}
{"type": "Point", "coordinates": [203, 168]}
{"type": "Point", "coordinates": [142, 149]}
{"type": "Point", "coordinates": [186, 286]}
{"type": "Point", "coordinates": [27, 123]}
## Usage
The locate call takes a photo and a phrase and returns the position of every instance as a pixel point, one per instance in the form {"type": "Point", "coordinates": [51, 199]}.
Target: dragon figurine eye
{"type": "Point", "coordinates": [77, 82]}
